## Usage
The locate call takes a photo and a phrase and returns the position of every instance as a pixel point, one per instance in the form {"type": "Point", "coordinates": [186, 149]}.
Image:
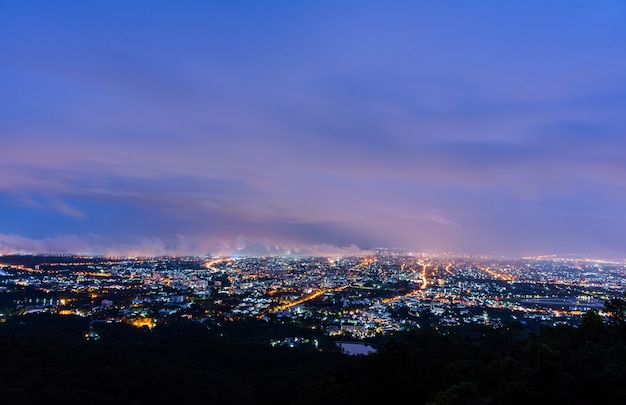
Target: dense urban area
{"type": "Point", "coordinates": [349, 298]}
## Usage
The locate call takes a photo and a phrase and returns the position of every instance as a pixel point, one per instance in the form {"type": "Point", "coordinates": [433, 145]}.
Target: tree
{"type": "Point", "coordinates": [592, 322]}
{"type": "Point", "coordinates": [616, 308]}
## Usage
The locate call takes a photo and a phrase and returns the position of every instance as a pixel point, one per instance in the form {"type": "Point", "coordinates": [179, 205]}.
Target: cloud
{"type": "Point", "coordinates": [65, 208]}
{"type": "Point", "coordinates": [310, 126]}
{"type": "Point", "coordinates": [244, 245]}
{"type": "Point", "coordinates": [89, 243]}
{"type": "Point", "coordinates": [180, 246]}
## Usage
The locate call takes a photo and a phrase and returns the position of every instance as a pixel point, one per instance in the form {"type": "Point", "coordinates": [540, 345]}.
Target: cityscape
{"type": "Point", "coordinates": [343, 297]}
{"type": "Point", "coordinates": [302, 203]}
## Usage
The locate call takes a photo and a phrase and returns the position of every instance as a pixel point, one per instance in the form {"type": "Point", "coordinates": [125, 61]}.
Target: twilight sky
{"type": "Point", "coordinates": [161, 127]}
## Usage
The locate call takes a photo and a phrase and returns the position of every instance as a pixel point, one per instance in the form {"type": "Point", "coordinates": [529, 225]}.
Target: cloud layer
{"type": "Point", "coordinates": [472, 127]}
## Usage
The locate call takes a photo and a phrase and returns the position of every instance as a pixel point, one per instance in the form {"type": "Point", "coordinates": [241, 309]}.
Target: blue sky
{"type": "Point", "coordinates": [313, 127]}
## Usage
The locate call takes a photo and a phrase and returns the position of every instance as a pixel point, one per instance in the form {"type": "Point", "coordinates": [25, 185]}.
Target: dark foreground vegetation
{"type": "Point", "coordinates": [45, 359]}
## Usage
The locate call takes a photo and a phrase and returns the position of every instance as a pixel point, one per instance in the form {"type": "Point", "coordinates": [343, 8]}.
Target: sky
{"type": "Point", "coordinates": [322, 127]}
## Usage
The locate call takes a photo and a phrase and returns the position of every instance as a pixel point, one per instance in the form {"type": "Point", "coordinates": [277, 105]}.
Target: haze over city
{"type": "Point", "coordinates": [162, 128]}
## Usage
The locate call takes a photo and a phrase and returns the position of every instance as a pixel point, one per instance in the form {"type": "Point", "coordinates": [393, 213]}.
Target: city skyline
{"type": "Point", "coordinates": [156, 128]}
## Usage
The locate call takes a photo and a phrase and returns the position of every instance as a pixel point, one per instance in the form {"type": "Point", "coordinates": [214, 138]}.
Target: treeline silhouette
{"type": "Point", "coordinates": [45, 359]}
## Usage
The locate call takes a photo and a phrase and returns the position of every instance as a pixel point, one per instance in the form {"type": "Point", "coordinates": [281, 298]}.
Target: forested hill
{"type": "Point", "coordinates": [46, 360]}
